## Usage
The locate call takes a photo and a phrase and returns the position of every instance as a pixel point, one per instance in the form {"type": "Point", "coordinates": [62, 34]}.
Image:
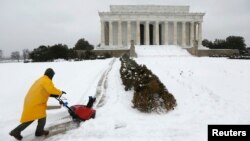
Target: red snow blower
{"type": "Point", "coordinates": [80, 112]}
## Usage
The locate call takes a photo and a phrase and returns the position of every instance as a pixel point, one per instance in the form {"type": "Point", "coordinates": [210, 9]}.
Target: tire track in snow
{"type": "Point", "coordinates": [102, 86]}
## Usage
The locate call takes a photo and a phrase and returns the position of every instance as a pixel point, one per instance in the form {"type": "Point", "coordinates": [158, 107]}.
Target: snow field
{"type": "Point", "coordinates": [207, 90]}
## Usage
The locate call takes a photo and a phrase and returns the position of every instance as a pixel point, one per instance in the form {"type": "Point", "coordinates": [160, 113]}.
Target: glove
{"type": "Point", "coordinates": [53, 95]}
{"type": "Point", "coordinates": [63, 92]}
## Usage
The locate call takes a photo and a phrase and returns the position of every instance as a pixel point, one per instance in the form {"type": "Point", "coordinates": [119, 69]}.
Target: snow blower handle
{"type": "Point", "coordinates": [65, 104]}
{"type": "Point", "coordinates": [61, 102]}
{"type": "Point", "coordinates": [58, 97]}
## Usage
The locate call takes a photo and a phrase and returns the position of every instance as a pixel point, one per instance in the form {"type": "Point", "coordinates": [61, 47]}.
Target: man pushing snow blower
{"type": "Point", "coordinates": [35, 105]}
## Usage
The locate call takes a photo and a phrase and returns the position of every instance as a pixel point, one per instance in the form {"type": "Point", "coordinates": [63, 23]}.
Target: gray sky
{"type": "Point", "coordinates": [27, 24]}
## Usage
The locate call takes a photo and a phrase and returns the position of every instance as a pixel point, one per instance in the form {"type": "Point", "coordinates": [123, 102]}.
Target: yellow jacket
{"type": "Point", "coordinates": [35, 103]}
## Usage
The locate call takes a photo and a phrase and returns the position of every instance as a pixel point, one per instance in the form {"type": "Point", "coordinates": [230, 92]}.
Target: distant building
{"type": "Point", "coordinates": [150, 25]}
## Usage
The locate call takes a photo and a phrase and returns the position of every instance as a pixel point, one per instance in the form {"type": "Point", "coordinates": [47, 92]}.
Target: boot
{"type": "Point", "coordinates": [44, 132]}
{"type": "Point", "coordinates": [16, 135]}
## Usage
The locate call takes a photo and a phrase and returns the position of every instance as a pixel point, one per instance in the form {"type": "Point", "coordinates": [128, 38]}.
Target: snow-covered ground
{"type": "Point", "coordinates": [207, 90]}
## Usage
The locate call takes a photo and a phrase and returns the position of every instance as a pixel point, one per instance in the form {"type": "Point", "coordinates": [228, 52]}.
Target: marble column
{"type": "Point", "coordinates": [157, 33]}
{"type": "Point", "coordinates": [191, 33]}
{"type": "Point", "coordinates": [128, 32]}
{"type": "Point", "coordinates": [200, 34]}
{"type": "Point", "coordinates": [166, 33]}
{"type": "Point", "coordinates": [138, 35]}
{"type": "Point", "coordinates": [110, 33]}
{"type": "Point", "coordinates": [102, 34]}
{"type": "Point", "coordinates": [147, 33]}
{"type": "Point", "coordinates": [183, 34]}
{"type": "Point", "coordinates": [175, 33]}
{"type": "Point", "coordinates": [119, 33]}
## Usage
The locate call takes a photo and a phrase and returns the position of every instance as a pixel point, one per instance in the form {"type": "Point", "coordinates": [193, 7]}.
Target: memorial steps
{"type": "Point", "coordinates": [161, 51]}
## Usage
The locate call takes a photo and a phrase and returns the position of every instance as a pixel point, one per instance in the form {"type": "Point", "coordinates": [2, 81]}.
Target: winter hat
{"type": "Point", "coordinates": [50, 73]}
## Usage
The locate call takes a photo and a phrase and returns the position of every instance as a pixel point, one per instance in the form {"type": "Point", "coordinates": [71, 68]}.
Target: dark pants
{"type": "Point", "coordinates": [39, 128]}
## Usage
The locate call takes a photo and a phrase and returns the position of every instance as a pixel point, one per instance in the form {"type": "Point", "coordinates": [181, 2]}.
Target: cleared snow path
{"type": "Point", "coordinates": [102, 86]}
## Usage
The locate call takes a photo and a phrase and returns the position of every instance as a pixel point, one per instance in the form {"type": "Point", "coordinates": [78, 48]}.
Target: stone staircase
{"type": "Point", "coordinates": [161, 51]}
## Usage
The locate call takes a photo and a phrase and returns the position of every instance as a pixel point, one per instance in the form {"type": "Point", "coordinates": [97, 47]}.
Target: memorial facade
{"type": "Point", "coordinates": [150, 25]}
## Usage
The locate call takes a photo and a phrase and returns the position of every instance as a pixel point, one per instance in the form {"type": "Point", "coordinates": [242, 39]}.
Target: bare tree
{"type": "Point", "coordinates": [15, 55]}
{"type": "Point", "coordinates": [25, 54]}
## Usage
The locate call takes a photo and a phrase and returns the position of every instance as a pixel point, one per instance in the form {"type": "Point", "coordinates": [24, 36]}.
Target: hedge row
{"type": "Point", "coordinates": [150, 95]}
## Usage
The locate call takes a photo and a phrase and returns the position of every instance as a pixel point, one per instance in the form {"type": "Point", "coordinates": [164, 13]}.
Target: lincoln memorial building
{"type": "Point", "coordinates": [150, 25]}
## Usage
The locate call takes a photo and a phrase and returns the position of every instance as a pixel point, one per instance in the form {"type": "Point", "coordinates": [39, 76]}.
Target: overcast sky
{"type": "Point", "coordinates": [27, 24]}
